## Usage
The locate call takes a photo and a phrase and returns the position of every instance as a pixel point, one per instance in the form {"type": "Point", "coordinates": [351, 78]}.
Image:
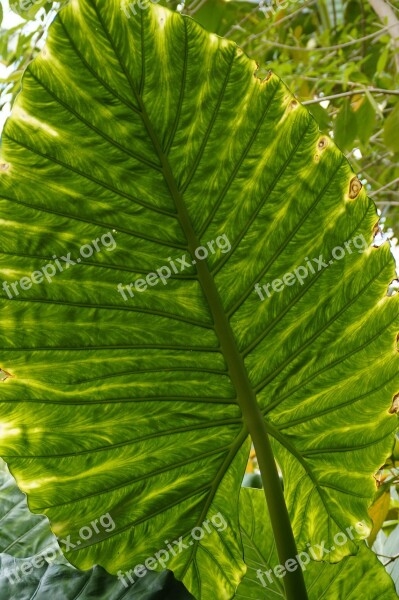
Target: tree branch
{"type": "Point", "coordinates": [388, 17]}
{"type": "Point", "coordinates": [394, 182]}
{"type": "Point", "coordinates": [391, 558]}
{"type": "Point", "coordinates": [328, 48]}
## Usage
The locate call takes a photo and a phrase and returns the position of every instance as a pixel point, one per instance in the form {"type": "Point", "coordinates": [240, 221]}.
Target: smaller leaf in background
{"type": "Point", "coordinates": [218, 16]}
{"type": "Point", "coordinates": [383, 59]}
{"type": "Point", "coordinates": [352, 10]}
{"type": "Point", "coordinates": [391, 128]}
{"type": "Point", "coordinates": [366, 118]}
{"type": "Point", "coordinates": [387, 546]}
{"type": "Point", "coordinates": [378, 512]}
{"type": "Point", "coordinates": [345, 129]}
{"type": "Point", "coordinates": [22, 533]}
{"type": "Point", "coordinates": [359, 77]}
{"type": "Point", "coordinates": [27, 9]}
{"type": "Point", "coordinates": [322, 117]}
{"type": "Point", "coordinates": [29, 561]}
{"type": "Point", "coordinates": [362, 573]}
{"type": "Point", "coordinates": [252, 480]}
{"type": "Point", "coordinates": [63, 582]}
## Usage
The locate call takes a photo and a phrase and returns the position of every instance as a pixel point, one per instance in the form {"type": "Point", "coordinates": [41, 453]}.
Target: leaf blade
{"type": "Point", "coordinates": [119, 377]}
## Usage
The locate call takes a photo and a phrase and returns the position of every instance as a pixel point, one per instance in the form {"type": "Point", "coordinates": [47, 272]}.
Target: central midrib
{"type": "Point", "coordinates": [246, 397]}
{"type": "Point", "coordinates": [254, 423]}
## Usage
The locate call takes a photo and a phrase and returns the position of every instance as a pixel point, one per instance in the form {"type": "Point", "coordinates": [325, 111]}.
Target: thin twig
{"type": "Point", "coordinates": [192, 7]}
{"type": "Point", "coordinates": [328, 48]}
{"type": "Point", "coordinates": [251, 38]}
{"type": "Point", "coordinates": [384, 187]}
{"type": "Point", "coordinates": [243, 20]}
{"type": "Point", "coordinates": [377, 160]}
{"type": "Point", "coordinates": [192, 11]}
{"type": "Point", "coordinates": [376, 135]}
{"type": "Point", "coordinates": [352, 93]}
{"type": "Point", "coordinates": [322, 80]}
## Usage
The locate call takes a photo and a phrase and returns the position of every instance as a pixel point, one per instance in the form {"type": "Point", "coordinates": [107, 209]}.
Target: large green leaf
{"type": "Point", "coordinates": [150, 130]}
{"type": "Point", "coordinates": [361, 576]}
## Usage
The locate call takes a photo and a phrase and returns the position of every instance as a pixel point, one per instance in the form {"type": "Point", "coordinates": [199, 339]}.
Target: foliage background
{"type": "Point", "coordinates": [341, 58]}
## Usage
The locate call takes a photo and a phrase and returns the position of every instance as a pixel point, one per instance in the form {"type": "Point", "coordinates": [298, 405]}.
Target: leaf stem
{"type": "Point", "coordinates": [246, 397]}
{"type": "Point", "coordinates": [294, 583]}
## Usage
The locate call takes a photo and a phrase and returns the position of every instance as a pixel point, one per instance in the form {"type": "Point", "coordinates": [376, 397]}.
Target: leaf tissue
{"type": "Point", "coordinates": [152, 131]}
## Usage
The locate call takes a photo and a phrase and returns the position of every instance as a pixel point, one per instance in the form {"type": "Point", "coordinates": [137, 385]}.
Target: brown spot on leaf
{"type": "Point", "coordinates": [4, 166]}
{"type": "Point", "coordinates": [4, 375]}
{"type": "Point", "coordinates": [294, 103]}
{"type": "Point", "coordinates": [268, 76]}
{"type": "Point", "coordinates": [322, 144]}
{"type": "Point", "coordinates": [355, 188]}
{"type": "Point", "coordinates": [395, 405]}
{"type": "Point", "coordinates": [376, 228]}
